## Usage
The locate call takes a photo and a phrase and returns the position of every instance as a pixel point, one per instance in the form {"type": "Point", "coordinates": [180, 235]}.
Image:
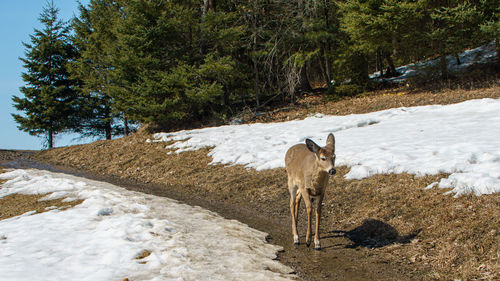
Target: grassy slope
{"type": "Point", "coordinates": [452, 237]}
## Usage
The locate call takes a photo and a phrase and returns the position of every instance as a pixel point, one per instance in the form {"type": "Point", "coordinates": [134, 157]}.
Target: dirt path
{"type": "Point", "coordinates": [338, 260]}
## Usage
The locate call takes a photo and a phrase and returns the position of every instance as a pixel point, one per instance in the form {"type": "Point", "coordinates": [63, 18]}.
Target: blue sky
{"type": "Point", "coordinates": [18, 19]}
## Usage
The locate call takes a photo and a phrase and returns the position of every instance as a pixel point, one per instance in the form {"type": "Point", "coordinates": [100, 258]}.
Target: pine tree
{"type": "Point", "coordinates": [491, 24]}
{"type": "Point", "coordinates": [453, 26]}
{"type": "Point", "coordinates": [50, 101]}
{"type": "Point", "coordinates": [381, 28]}
{"type": "Point", "coordinates": [95, 41]}
{"type": "Point", "coordinates": [174, 61]}
{"type": "Point", "coordinates": [177, 62]}
{"type": "Point", "coordinates": [310, 43]}
{"type": "Point", "coordinates": [151, 38]}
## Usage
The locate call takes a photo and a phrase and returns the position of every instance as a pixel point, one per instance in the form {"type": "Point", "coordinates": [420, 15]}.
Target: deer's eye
{"type": "Point", "coordinates": [323, 158]}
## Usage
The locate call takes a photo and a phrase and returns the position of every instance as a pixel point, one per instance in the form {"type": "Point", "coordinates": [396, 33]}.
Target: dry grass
{"type": "Point", "coordinates": [373, 101]}
{"type": "Point", "coordinates": [454, 237]}
{"type": "Point", "coordinates": [18, 204]}
{"type": "Point", "coordinates": [142, 255]}
{"type": "Point", "coordinates": [9, 155]}
{"type": "Point", "coordinates": [387, 217]}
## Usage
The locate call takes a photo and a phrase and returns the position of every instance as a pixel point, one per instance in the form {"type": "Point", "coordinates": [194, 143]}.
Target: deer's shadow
{"type": "Point", "coordinates": [373, 233]}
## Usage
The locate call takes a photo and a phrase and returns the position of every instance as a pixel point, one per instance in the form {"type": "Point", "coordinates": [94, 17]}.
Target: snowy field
{"type": "Point", "coordinates": [462, 140]}
{"type": "Point", "coordinates": [101, 238]}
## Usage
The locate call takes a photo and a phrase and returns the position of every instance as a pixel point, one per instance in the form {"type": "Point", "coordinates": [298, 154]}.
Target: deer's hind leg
{"type": "Point", "coordinates": [298, 198]}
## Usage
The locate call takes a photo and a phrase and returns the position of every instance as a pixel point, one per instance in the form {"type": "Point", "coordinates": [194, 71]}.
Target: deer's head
{"type": "Point", "coordinates": [325, 156]}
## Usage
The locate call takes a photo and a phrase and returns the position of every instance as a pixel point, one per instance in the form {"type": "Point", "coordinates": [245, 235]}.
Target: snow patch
{"type": "Point", "coordinates": [461, 139]}
{"type": "Point", "coordinates": [479, 55]}
{"type": "Point", "coordinates": [102, 238]}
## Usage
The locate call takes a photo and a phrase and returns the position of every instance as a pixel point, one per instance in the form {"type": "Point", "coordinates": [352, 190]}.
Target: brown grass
{"type": "Point", "coordinates": [9, 155]}
{"type": "Point", "coordinates": [18, 204]}
{"type": "Point", "coordinates": [142, 255]}
{"type": "Point", "coordinates": [456, 237]}
{"type": "Point", "coordinates": [390, 218]}
{"type": "Point", "coordinates": [373, 101]}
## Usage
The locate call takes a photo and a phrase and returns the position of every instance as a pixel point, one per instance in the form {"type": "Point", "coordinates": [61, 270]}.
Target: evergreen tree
{"type": "Point", "coordinates": [50, 101]}
{"type": "Point", "coordinates": [95, 41]}
{"type": "Point", "coordinates": [491, 24]}
{"type": "Point", "coordinates": [175, 61]}
{"type": "Point", "coordinates": [223, 33]}
{"type": "Point", "coordinates": [453, 26]}
{"type": "Point", "coordinates": [152, 36]}
{"type": "Point", "coordinates": [311, 42]}
{"type": "Point", "coordinates": [381, 28]}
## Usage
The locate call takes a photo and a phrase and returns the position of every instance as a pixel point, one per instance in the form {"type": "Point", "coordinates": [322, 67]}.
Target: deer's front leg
{"type": "Point", "coordinates": [317, 244]}
{"type": "Point", "coordinates": [307, 201]}
{"type": "Point", "coordinates": [293, 192]}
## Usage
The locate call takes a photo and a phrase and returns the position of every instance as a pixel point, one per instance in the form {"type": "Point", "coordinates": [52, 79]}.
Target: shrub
{"type": "Point", "coordinates": [348, 90]}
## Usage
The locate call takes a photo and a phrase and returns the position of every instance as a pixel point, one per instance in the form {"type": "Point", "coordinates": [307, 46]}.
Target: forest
{"type": "Point", "coordinates": [175, 64]}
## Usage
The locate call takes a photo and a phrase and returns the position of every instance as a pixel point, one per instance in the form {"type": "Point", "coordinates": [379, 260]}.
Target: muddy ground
{"type": "Point", "coordinates": [386, 227]}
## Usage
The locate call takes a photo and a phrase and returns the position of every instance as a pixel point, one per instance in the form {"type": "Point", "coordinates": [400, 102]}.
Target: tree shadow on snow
{"type": "Point", "coordinates": [373, 233]}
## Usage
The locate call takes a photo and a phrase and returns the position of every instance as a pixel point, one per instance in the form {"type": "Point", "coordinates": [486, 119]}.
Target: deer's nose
{"type": "Point", "coordinates": [332, 171]}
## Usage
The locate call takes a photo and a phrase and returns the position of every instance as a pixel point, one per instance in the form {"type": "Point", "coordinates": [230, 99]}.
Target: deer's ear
{"type": "Point", "coordinates": [312, 146]}
{"type": "Point", "coordinates": [330, 141]}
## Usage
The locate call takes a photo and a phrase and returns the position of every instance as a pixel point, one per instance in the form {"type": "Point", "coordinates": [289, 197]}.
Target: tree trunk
{"type": "Point", "coordinates": [206, 5]}
{"type": "Point", "coordinates": [497, 48]}
{"type": "Point", "coordinates": [254, 51]}
{"type": "Point", "coordinates": [125, 126]}
{"type": "Point", "coordinates": [327, 48]}
{"type": "Point", "coordinates": [443, 65]}
{"type": "Point", "coordinates": [379, 62]}
{"type": "Point", "coordinates": [304, 84]}
{"type": "Point", "coordinates": [458, 59]}
{"type": "Point", "coordinates": [51, 139]}
{"type": "Point", "coordinates": [256, 82]}
{"type": "Point", "coordinates": [327, 68]}
{"type": "Point", "coordinates": [107, 124]}
{"type": "Point", "coordinates": [212, 5]}
{"type": "Point", "coordinates": [300, 9]}
{"type": "Point", "coordinates": [108, 130]}
{"type": "Point", "coordinates": [391, 69]}
{"type": "Point", "coordinates": [323, 71]}
{"type": "Point", "coordinates": [204, 10]}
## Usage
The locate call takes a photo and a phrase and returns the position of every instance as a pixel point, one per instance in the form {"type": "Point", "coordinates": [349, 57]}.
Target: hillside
{"type": "Point", "coordinates": [381, 227]}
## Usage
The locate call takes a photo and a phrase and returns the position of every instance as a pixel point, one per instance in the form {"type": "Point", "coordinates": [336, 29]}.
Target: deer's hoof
{"type": "Point", "coordinates": [317, 248]}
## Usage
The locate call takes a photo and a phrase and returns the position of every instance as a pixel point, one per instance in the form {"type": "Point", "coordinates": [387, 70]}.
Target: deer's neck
{"type": "Point", "coordinates": [318, 183]}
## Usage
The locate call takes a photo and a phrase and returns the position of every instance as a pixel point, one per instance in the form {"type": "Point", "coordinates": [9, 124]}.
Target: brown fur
{"type": "Point", "coordinates": [308, 168]}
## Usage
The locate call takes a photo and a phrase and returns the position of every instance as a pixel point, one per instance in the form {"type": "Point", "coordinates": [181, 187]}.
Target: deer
{"type": "Point", "coordinates": [309, 168]}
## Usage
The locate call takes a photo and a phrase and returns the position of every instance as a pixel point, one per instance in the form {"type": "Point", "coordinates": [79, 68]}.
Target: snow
{"type": "Point", "coordinates": [462, 140]}
{"type": "Point", "coordinates": [101, 238]}
{"type": "Point", "coordinates": [479, 55]}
